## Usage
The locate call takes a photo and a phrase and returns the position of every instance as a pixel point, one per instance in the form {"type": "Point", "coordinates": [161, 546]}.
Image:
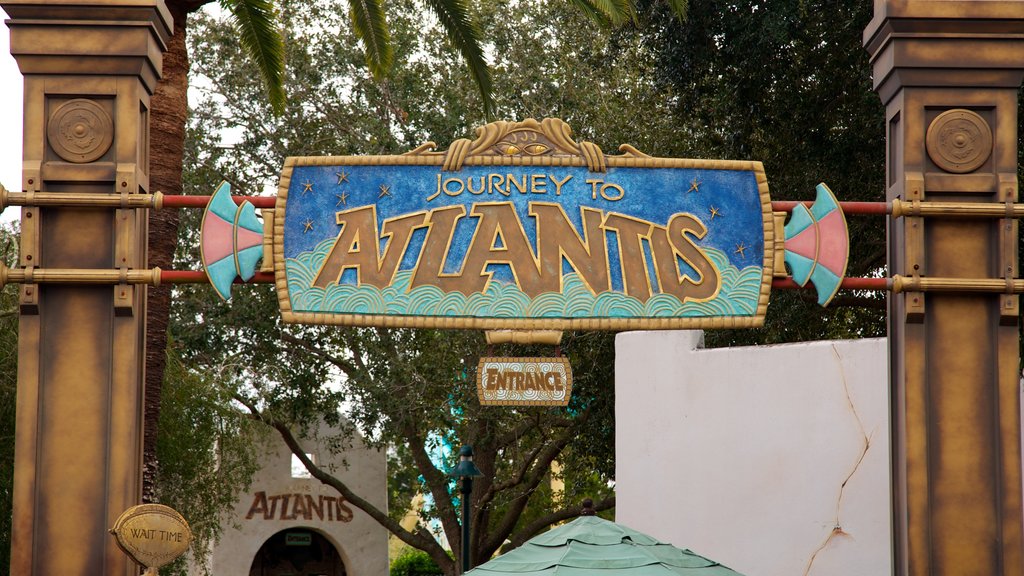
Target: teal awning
{"type": "Point", "coordinates": [590, 544]}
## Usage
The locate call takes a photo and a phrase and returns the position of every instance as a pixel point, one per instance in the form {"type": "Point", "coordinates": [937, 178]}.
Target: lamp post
{"type": "Point", "coordinates": [466, 470]}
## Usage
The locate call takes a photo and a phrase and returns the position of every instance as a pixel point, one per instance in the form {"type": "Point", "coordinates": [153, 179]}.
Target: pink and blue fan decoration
{"type": "Point", "coordinates": [818, 245]}
{"type": "Point", "coordinates": [231, 240]}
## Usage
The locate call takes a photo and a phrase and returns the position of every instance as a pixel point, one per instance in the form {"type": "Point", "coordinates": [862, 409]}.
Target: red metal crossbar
{"type": "Point", "coordinates": [846, 284]}
{"type": "Point", "coordinates": [199, 277]}
{"type": "Point", "coordinates": [181, 201]}
{"type": "Point", "coordinates": [879, 208]}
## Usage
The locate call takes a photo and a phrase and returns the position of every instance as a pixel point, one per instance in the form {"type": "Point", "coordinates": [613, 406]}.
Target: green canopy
{"type": "Point", "coordinates": [590, 545]}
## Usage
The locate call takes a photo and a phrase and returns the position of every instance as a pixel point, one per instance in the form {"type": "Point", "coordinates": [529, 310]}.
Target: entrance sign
{"type": "Point", "coordinates": [298, 539]}
{"type": "Point", "coordinates": [524, 381]}
{"type": "Point", "coordinates": [523, 228]}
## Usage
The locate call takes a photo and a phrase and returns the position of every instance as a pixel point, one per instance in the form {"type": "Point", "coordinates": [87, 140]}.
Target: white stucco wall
{"type": "Point", "coordinates": [361, 542]}
{"type": "Point", "coordinates": [741, 454]}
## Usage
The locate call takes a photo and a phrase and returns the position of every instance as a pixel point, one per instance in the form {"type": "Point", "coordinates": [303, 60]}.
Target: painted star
{"type": "Point", "coordinates": [715, 212]}
{"type": "Point", "coordinates": [694, 186]}
{"type": "Point", "coordinates": [342, 176]}
{"type": "Point", "coordinates": [342, 199]}
{"type": "Point", "coordinates": [741, 249]}
{"type": "Point", "coordinates": [307, 186]}
{"type": "Point", "coordinates": [307, 225]}
{"type": "Point", "coordinates": [385, 190]}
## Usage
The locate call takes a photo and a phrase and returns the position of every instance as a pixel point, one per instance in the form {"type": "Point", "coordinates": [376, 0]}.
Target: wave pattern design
{"type": "Point", "coordinates": [737, 297]}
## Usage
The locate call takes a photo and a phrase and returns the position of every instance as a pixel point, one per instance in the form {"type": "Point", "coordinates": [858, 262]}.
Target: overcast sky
{"type": "Point", "coordinates": [11, 88]}
{"type": "Point", "coordinates": [10, 120]}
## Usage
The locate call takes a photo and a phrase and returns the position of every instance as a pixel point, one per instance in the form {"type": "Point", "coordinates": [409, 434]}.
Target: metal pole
{"type": "Point", "coordinates": [89, 71]}
{"type": "Point", "coordinates": [951, 116]}
{"type": "Point", "coordinates": [467, 489]}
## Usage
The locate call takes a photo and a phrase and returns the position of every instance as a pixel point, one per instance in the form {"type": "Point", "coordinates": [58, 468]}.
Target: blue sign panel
{"type": "Point", "coordinates": [513, 241]}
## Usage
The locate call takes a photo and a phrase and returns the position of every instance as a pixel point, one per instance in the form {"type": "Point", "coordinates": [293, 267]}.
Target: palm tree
{"type": "Point", "coordinates": [260, 37]}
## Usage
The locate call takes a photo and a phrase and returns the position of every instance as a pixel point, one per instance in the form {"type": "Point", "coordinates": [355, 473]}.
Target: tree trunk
{"type": "Point", "coordinates": [168, 112]}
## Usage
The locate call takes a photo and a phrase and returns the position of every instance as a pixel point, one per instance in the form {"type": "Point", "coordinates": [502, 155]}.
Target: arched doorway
{"type": "Point", "coordinates": [297, 552]}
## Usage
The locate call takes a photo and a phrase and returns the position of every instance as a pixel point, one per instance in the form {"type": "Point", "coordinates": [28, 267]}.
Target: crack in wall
{"type": "Point", "coordinates": [837, 527]}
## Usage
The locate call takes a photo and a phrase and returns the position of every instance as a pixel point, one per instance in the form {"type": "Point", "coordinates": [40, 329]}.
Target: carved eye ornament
{"type": "Point", "coordinates": [536, 149]}
{"type": "Point", "coordinates": [509, 149]}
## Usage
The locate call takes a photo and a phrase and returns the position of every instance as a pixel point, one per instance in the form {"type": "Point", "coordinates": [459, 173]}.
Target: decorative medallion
{"type": "Point", "coordinates": [959, 141]}
{"type": "Point", "coordinates": [80, 131]}
{"type": "Point", "coordinates": [152, 534]}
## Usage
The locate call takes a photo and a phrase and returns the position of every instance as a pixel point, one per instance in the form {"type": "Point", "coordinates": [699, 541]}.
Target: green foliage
{"type": "Point", "coordinates": [409, 391]}
{"type": "Point", "coordinates": [260, 35]}
{"type": "Point", "coordinates": [465, 35]}
{"type": "Point", "coordinates": [8, 389]}
{"type": "Point", "coordinates": [369, 23]}
{"type": "Point", "coordinates": [787, 84]}
{"type": "Point", "coordinates": [208, 453]}
{"type": "Point", "coordinates": [412, 562]}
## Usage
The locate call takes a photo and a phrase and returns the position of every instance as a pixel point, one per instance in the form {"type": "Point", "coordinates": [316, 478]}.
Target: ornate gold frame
{"type": "Point", "coordinates": [563, 151]}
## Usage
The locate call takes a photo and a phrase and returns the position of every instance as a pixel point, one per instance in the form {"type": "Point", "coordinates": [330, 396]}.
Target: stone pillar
{"type": "Point", "coordinates": [948, 72]}
{"type": "Point", "coordinates": [89, 70]}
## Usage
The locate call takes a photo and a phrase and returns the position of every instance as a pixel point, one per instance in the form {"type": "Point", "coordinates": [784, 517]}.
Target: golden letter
{"type": "Point", "coordinates": [631, 232]}
{"type": "Point", "coordinates": [435, 250]}
{"type": "Point", "coordinates": [438, 192]}
{"type": "Point", "coordinates": [500, 218]}
{"type": "Point", "coordinates": [495, 182]}
{"type": "Point", "coordinates": [462, 187]}
{"type": "Point", "coordinates": [612, 198]}
{"type": "Point", "coordinates": [538, 184]}
{"type": "Point", "coordinates": [667, 244]}
{"type": "Point", "coordinates": [469, 184]}
{"type": "Point", "coordinates": [558, 185]}
{"type": "Point", "coordinates": [356, 224]}
{"type": "Point", "coordinates": [511, 181]}
{"type": "Point", "coordinates": [557, 239]}
{"type": "Point", "coordinates": [357, 247]}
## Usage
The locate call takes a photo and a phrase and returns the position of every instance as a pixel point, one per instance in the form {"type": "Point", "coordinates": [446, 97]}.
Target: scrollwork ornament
{"type": "Point", "coordinates": [959, 141]}
{"type": "Point", "coordinates": [80, 131]}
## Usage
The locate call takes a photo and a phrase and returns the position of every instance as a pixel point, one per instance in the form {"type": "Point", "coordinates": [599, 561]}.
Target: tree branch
{"type": "Point", "coordinates": [512, 482]}
{"type": "Point", "coordinates": [517, 505]}
{"type": "Point", "coordinates": [513, 436]}
{"type": "Point", "coordinates": [420, 539]}
{"type": "Point", "coordinates": [437, 483]}
{"type": "Point", "coordinates": [344, 365]}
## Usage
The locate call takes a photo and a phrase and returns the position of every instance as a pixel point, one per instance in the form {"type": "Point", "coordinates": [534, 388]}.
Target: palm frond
{"type": "Point", "coordinates": [593, 12]}
{"type": "Point", "coordinates": [261, 37]}
{"type": "Point", "coordinates": [464, 34]}
{"type": "Point", "coordinates": [678, 8]}
{"type": "Point", "coordinates": [371, 26]}
{"type": "Point", "coordinates": [614, 12]}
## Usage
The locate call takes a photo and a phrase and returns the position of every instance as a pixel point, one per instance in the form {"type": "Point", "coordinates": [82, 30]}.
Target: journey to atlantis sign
{"type": "Point", "coordinates": [523, 228]}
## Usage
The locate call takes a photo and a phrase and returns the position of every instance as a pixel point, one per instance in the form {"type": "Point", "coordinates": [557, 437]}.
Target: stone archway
{"type": "Point", "coordinates": [297, 552]}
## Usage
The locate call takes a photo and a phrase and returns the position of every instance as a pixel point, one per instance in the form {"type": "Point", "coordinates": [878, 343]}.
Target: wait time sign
{"type": "Point", "coordinates": [523, 228]}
